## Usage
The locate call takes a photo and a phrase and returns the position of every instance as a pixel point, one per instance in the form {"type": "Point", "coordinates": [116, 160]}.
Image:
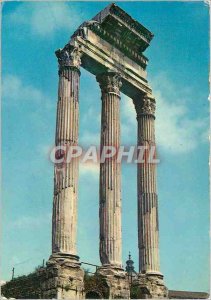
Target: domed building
{"type": "Point", "coordinates": [132, 275]}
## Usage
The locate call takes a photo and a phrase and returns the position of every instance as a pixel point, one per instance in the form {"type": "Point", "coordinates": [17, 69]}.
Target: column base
{"type": "Point", "coordinates": [64, 279]}
{"type": "Point", "coordinates": [149, 285]}
{"type": "Point", "coordinates": [116, 280]}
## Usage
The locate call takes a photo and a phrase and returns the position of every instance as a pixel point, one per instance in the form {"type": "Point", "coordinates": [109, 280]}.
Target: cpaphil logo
{"type": "Point", "coordinates": [64, 154]}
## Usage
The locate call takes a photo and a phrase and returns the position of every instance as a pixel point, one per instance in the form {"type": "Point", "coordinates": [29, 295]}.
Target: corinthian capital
{"type": "Point", "coordinates": [69, 56]}
{"type": "Point", "coordinates": [145, 106]}
{"type": "Point", "coordinates": [110, 82]}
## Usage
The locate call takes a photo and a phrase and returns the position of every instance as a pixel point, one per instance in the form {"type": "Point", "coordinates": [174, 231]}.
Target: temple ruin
{"type": "Point", "coordinates": [110, 46]}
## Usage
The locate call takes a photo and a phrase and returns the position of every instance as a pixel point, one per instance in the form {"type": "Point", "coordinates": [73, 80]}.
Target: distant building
{"type": "Point", "coordinates": [130, 269]}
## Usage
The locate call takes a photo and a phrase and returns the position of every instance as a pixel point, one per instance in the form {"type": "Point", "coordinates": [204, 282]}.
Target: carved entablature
{"type": "Point", "coordinates": [110, 82]}
{"type": "Point", "coordinates": [145, 106]}
{"type": "Point", "coordinates": [82, 29]}
{"type": "Point", "coordinates": [119, 42]}
{"type": "Point", "coordinates": [129, 36]}
{"type": "Point", "coordinates": [69, 56]}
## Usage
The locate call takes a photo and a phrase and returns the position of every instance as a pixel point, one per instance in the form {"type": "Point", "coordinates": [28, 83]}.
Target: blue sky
{"type": "Point", "coordinates": [178, 73]}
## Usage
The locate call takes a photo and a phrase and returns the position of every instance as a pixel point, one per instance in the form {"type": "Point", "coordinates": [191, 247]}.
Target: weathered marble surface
{"type": "Point", "coordinates": [64, 220]}
{"type": "Point", "coordinates": [148, 224]}
{"type": "Point", "coordinates": [148, 228]}
{"type": "Point", "coordinates": [151, 286]}
{"type": "Point", "coordinates": [64, 279]}
{"type": "Point", "coordinates": [117, 281]}
{"type": "Point", "coordinates": [110, 173]}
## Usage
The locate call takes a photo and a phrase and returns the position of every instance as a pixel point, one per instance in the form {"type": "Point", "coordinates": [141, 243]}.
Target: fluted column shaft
{"type": "Point", "coordinates": [110, 177]}
{"type": "Point", "coordinates": [64, 220]}
{"type": "Point", "coordinates": [148, 229]}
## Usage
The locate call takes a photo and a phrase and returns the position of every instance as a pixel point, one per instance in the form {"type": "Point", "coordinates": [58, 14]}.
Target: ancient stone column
{"type": "Point", "coordinates": [64, 277]}
{"type": "Point", "coordinates": [110, 177]}
{"type": "Point", "coordinates": [147, 189]}
{"type": "Point", "coordinates": [64, 221]}
{"type": "Point", "coordinates": [148, 227]}
{"type": "Point", "coordinates": [110, 189]}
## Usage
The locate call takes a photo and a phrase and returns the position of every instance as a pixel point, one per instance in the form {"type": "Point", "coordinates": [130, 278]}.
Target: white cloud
{"type": "Point", "coordinates": [128, 121]}
{"type": "Point", "coordinates": [16, 92]}
{"type": "Point", "coordinates": [89, 138]}
{"type": "Point", "coordinates": [88, 116]}
{"type": "Point", "coordinates": [13, 88]}
{"type": "Point", "coordinates": [33, 110]}
{"type": "Point", "coordinates": [44, 149]}
{"type": "Point", "coordinates": [89, 169]}
{"type": "Point", "coordinates": [31, 221]}
{"type": "Point", "coordinates": [44, 19]}
{"type": "Point", "coordinates": [176, 130]}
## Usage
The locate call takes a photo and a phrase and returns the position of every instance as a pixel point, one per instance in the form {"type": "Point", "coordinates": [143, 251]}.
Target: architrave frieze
{"type": "Point", "coordinates": [98, 56]}
{"type": "Point", "coordinates": [128, 30]}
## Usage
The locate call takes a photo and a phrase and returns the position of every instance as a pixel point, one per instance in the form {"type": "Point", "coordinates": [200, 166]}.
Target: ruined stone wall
{"type": "Point", "coordinates": [29, 286]}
